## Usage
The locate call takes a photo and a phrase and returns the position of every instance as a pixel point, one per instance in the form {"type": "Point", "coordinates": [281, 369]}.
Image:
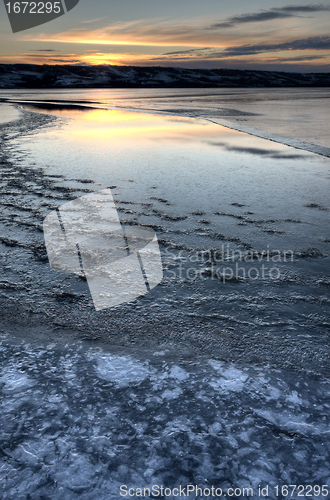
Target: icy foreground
{"type": "Point", "coordinates": [79, 423]}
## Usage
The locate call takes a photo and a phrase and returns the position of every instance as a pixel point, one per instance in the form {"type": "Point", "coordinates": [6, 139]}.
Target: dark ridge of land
{"type": "Point", "coordinates": [16, 76]}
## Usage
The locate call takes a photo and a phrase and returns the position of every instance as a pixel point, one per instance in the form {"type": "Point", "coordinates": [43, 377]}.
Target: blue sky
{"type": "Point", "coordinates": [278, 35]}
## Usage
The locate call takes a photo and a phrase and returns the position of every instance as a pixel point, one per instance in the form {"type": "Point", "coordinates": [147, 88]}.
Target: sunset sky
{"type": "Point", "coordinates": [263, 34]}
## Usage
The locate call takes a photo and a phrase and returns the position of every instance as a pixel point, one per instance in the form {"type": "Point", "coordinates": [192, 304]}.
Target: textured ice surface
{"type": "Point", "coordinates": [202, 188]}
{"type": "Point", "coordinates": [119, 370]}
{"type": "Point", "coordinates": [79, 423]}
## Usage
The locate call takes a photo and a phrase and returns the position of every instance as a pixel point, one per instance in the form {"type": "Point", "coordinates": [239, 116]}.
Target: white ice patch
{"type": "Point", "coordinates": [294, 398]}
{"type": "Point", "coordinates": [178, 373]}
{"type": "Point", "coordinates": [231, 379]}
{"type": "Point", "coordinates": [215, 428]}
{"type": "Point", "coordinates": [15, 382]}
{"type": "Point", "coordinates": [121, 370]}
{"type": "Point", "coordinates": [168, 394]}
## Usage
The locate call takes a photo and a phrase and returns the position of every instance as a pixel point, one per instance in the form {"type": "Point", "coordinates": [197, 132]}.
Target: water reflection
{"type": "Point", "coordinates": [245, 193]}
{"type": "Point", "coordinates": [95, 124]}
{"type": "Point", "coordinates": [272, 153]}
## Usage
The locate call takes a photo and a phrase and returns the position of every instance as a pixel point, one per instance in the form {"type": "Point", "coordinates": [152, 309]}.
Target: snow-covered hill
{"type": "Point", "coordinates": [35, 76]}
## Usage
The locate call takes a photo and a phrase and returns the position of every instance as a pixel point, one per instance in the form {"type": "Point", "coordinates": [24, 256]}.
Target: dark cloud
{"type": "Point", "coordinates": [187, 51]}
{"type": "Point", "coordinates": [60, 59]}
{"type": "Point", "coordinates": [269, 15]}
{"type": "Point", "coordinates": [299, 58]}
{"type": "Point", "coordinates": [250, 18]}
{"type": "Point", "coordinates": [303, 8]}
{"type": "Point", "coordinates": [311, 43]}
{"type": "Point", "coordinates": [43, 50]}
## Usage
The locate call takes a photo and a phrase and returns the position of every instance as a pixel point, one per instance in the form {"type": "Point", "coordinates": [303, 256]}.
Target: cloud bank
{"type": "Point", "coordinates": [269, 15]}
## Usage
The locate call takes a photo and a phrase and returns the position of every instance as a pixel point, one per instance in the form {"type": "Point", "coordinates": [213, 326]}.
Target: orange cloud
{"type": "Point", "coordinates": [180, 59]}
{"type": "Point", "coordinates": [152, 42]}
{"type": "Point", "coordinates": [164, 33]}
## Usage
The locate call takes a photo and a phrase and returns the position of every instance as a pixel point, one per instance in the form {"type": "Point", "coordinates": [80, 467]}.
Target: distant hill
{"type": "Point", "coordinates": [15, 76]}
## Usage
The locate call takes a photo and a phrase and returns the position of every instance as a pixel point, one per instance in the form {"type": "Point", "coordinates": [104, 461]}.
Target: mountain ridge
{"type": "Point", "coordinates": [15, 76]}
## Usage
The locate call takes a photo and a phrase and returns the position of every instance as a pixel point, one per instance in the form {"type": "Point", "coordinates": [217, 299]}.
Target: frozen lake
{"type": "Point", "coordinates": [296, 113]}
{"type": "Point", "coordinates": [213, 378]}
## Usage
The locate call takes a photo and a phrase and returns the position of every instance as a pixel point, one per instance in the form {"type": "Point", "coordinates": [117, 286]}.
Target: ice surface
{"type": "Point", "coordinates": [80, 423]}
{"type": "Point", "coordinates": [15, 382]}
{"type": "Point", "coordinates": [294, 113]}
{"type": "Point", "coordinates": [203, 189]}
{"type": "Point", "coordinates": [120, 370]}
